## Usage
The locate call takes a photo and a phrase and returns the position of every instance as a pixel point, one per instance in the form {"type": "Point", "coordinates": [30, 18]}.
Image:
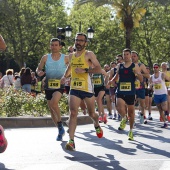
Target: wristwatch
{"type": "Point", "coordinates": [86, 70]}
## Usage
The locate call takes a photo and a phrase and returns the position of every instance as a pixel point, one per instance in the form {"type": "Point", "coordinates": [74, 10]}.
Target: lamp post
{"type": "Point", "coordinates": [90, 31]}
{"type": "Point", "coordinates": [67, 32]}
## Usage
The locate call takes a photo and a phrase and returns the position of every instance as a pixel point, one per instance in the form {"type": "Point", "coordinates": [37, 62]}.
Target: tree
{"type": "Point", "coordinates": [151, 39]}
{"type": "Point", "coordinates": [128, 11]}
{"type": "Point", "coordinates": [28, 25]}
{"type": "Point", "coordinates": [105, 44]}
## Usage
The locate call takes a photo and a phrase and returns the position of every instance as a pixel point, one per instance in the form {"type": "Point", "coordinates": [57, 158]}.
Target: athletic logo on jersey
{"type": "Point", "coordinates": [126, 71]}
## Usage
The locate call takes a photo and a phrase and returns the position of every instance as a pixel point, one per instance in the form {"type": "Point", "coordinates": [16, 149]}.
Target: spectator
{"type": "Point", "coordinates": [26, 80]}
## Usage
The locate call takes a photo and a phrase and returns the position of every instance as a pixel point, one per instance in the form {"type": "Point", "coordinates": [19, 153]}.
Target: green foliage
{"type": "Point", "coordinates": [18, 103]}
{"type": "Point", "coordinates": [28, 25]}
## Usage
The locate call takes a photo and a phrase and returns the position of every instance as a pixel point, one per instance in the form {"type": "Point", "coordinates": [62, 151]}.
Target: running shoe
{"type": "Point", "coordinates": [161, 120]}
{"type": "Point", "coordinates": [105, 118]}
{"type": "Point", "coordinates": [150, 117]}
{"type": "Point", "coordinates": [122, 124]}
{"type": "Point", "coordinates": [100, 119]}
{"type": "Point", "coordinates": [165, 125]}
{"type": "Point", "coordinates": [168, 118]}
{"type": "Point", "coordinates": [110, 116]}
{"type": "Point", "coordinates": [114, 116]}
{"type": "Point", "coordinates": [141, 119]}
{"type": "Point", "coordinates": [145, 121]}
{"type": "Point", "coordinates": [3, 141]}
{"type": "Point", "coordinates": [61, 132]}
{"type": "Point", "coordinates": [99, 132]}
{"type": "Point", "coordinates": [130, 135]}
{"type": "Point", "coordinates": [139, 113]}
{"type": "Point", "coordinates": [119, 117]}
{"type": "Point", "coordinates": [70, 145]}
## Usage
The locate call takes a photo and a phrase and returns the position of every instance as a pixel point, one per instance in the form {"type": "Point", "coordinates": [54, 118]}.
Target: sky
{"type": "Point", "coordinates": [68, 3]}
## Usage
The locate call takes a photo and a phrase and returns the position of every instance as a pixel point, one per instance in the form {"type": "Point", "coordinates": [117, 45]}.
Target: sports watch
{"type": "Point", "coordinates": [86, 70]}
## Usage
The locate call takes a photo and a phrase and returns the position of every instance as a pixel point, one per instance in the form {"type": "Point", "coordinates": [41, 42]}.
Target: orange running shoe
{"type": "Point", "coordinates": [70, 145]}
{"type": "Point", "coordinates": [105, 118]}
{"type": "Point", "coordinates": [99, 132]}
{"type": "Point", "coordinates": [161, 120]}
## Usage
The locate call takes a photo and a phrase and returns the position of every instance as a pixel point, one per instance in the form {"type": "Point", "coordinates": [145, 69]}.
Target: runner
{"type": "Point", "coordinates": [55, 65]}
{"type": "Point", "coordinates": [127, 73]}
{"type": "Point", "coordinates": [140, 86]}
{"type": "Point", "coordinates": [157, 80]}
{"type": "Point", "coordinates": [80, 68]}
{"type": "Point", "coordinates": [100, 81]}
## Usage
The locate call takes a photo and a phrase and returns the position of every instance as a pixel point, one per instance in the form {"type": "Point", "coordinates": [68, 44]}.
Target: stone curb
{"type": "Point", "coordinates": [25, 122]}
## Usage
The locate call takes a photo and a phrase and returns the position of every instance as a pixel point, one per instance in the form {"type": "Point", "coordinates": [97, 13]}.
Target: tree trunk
{"type": "Point", "coordinates": [128, 37]}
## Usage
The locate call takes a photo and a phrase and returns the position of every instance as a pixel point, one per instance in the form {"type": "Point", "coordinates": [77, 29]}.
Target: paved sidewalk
{"type": "Point", "coordinates": [37, 149]}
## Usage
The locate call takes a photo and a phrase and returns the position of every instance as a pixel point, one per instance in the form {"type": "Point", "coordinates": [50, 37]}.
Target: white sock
{"type": "Point", "coordinates": [114, 107]}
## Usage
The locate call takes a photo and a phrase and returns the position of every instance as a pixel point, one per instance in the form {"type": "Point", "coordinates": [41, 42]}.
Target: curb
{"type": "Point", "coordinates": [31, 122]}
{"type": "Point", "coordinates": [21, 122]}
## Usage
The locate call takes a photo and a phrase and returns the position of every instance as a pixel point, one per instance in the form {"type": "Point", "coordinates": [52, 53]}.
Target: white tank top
{"type": "Point", "coordinates": [159, 85]}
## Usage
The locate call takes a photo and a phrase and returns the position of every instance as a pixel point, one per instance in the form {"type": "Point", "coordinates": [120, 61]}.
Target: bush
{"type": "Point", "coordinates": [18, 103]}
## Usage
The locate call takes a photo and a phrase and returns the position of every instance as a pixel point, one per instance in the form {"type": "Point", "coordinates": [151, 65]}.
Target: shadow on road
{"type": "Point", "coordinates": [2, 167]}
{"type": "Point", "coordinates": [98, 163]}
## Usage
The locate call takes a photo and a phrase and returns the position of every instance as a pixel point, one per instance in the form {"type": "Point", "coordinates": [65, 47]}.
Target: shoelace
{"type": "Point", "coordinates": [98, 130]}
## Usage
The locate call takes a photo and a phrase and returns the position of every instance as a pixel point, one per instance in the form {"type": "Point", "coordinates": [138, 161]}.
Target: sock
{"type": "Point", "coordinates": [114, 108]}
{"type": "Point", "coordinates": [166, 113]}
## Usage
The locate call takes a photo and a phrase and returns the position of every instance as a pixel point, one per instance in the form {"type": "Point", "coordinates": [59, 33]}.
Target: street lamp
{"type": "Point", "coordinates": [90, 32]}
{"type": "Point", "coordinates": [68, 31]}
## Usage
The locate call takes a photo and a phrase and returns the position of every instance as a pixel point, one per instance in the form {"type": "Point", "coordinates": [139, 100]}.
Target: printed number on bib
{"type": "Point", "coordinates": [78, 83]}
{"type": "Point", "coordinates": [97, 81]}
{"type": "Point", "coordinates": [125, 86]}
{"type": "Point", "coordinates": [158, 86]}
{"type": "Point", "coordinates": [167, 84]}
{"type": "Point", "coordinates": [137, 84]}
{"type": "Point", "coordinates": [53, 84]}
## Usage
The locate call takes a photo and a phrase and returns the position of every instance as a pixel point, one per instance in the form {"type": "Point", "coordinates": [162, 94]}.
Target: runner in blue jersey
{"type": "Point", "coordinates": [55, 65]}
{"type": "Point", "coordinates": [140, 86]}
{"type": "Point", "coordinates": [126, 73]}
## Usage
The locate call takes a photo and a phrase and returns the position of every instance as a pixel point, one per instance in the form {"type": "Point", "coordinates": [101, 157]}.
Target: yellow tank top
{"type": "Point", "coordinates": [80, 81]}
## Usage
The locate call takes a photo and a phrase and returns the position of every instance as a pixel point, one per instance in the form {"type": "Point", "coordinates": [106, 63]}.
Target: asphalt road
{"type": "Point", "coordinates": [37, 149]}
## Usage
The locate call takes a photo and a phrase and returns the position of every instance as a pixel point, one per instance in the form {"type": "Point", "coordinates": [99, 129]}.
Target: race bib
{"type": "Point", "coordinates": [53, 84]}
{"type": "Point", "coordinates": [97, 81]}
{"type": "Point", "coordinates": [167, 84]}
{"type": "Point", "coordinates": [158, 86]}
{"type": "Point", "coordinates": [125, 86]}
{"type": "Point", "coordinates": [78, 83]}
{"type": "Point", "coordinates": [137, 84]}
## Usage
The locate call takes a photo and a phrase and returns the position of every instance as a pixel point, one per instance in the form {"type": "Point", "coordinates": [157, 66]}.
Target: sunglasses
{"type": "Point", "coordinates": [156, 67]}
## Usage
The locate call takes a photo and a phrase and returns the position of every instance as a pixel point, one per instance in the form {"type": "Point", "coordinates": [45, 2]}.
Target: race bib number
{"type": "Point", "coordinates": [53, 84]}
{"type": "Point", "coordinates": [158, 86]}
{"type": "Point", "coordinates": [78, 83]}
{"type": "Point", "coordinates": [168, 73]}
{"type": "Point", "coordinates": [97, 81]}
{"type": "Point", "coordinates": [167, 84]}
{"type": "Point", "coordinates": [137, 84]}
{"type": "Point", "coordinates": [125, 86]}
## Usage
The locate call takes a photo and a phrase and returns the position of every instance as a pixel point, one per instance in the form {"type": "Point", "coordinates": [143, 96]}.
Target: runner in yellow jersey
{"type": "Point", "coordinates": [82, 64]}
